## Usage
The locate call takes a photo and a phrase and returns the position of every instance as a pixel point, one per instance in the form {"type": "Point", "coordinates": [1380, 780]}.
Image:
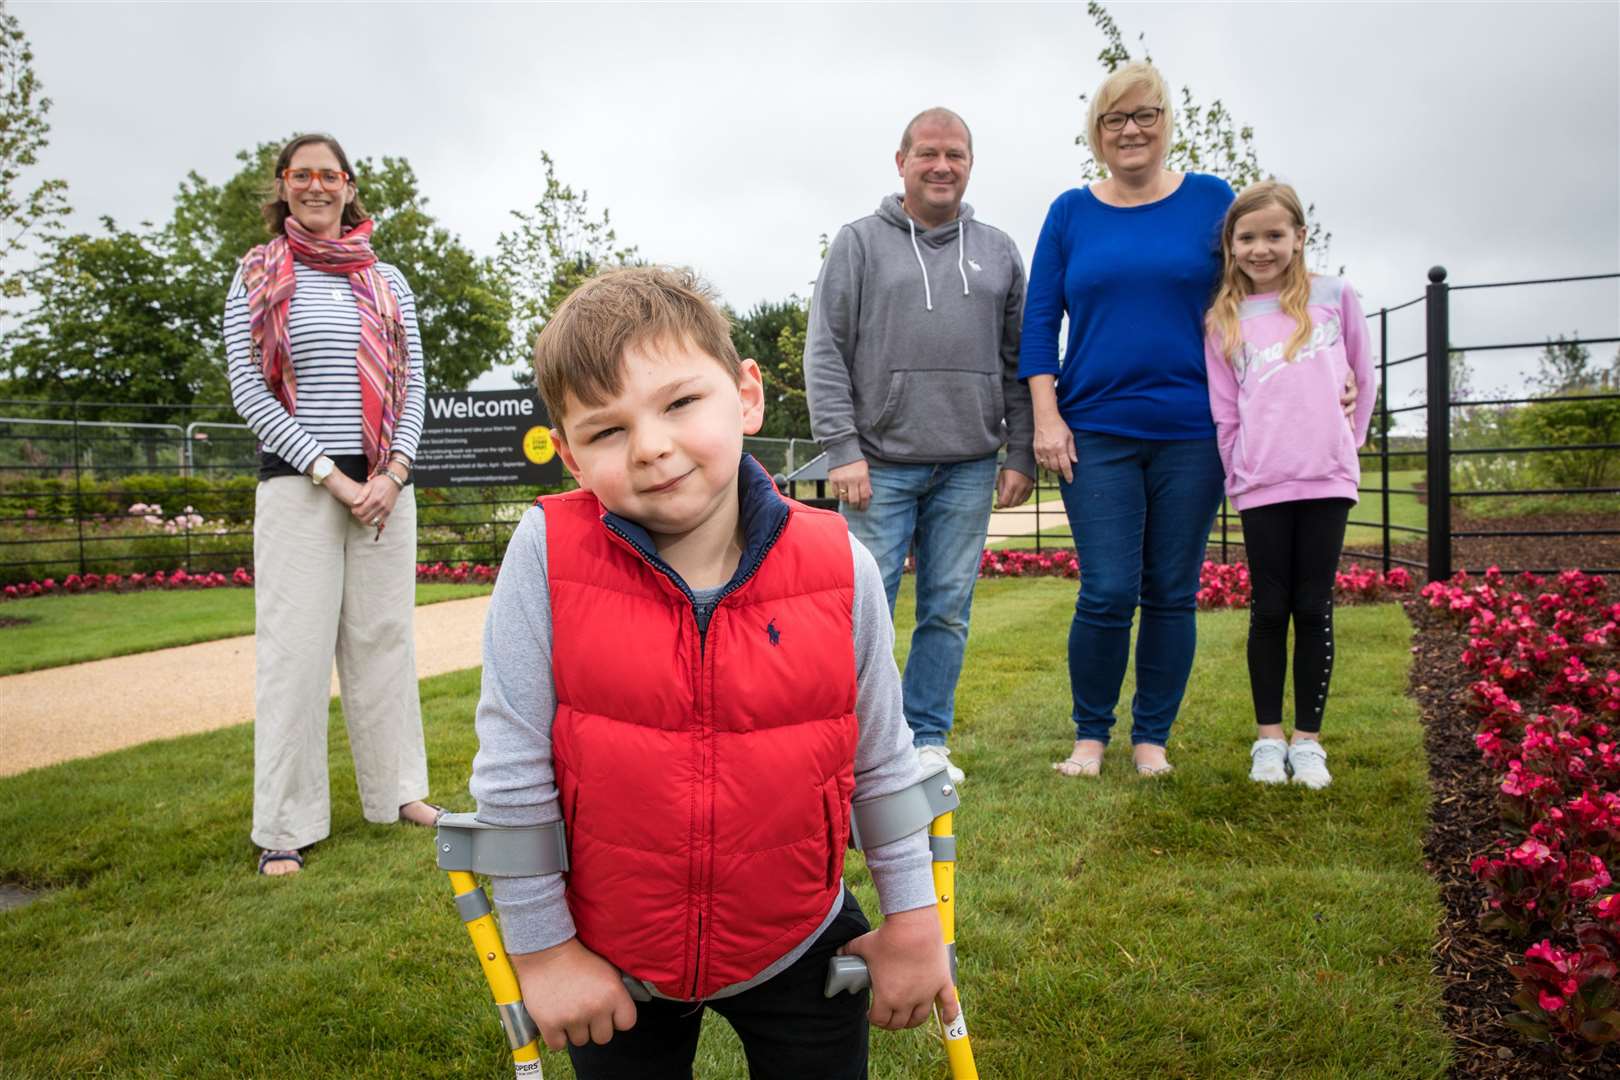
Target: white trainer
{"type": "Point", "coordinates": [1309, 762]}
{"type": "Point", "coordinates": [932, 757]}
{"type": "Point", "coordinates": [1269, 759]}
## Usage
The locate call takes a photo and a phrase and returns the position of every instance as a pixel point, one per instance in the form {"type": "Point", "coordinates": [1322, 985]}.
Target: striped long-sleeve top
{"type": "Point", "coordinates": [323, 326]}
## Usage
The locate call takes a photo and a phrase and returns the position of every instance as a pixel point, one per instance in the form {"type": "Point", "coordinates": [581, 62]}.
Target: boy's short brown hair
{"type": "Point", "coordinates": [581, 350]}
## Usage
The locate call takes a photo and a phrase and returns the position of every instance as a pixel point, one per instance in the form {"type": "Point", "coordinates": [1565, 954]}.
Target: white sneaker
{"type": "Point", "coordinates": [931, 758]}
{"type": "Point", "coordinates": [1309, 762]}
{"type": "Point", "coordinates": [1270, 761]}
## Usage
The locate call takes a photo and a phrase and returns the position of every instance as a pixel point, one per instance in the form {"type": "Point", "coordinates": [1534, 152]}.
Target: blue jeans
{"type": "Point", "coordinates": [945, 511]}
{"type": "Point", "coordinates": [1140, 511]}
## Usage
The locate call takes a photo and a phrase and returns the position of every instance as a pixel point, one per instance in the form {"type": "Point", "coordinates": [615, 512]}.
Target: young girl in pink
{"type": "Point", "coordinates": [1279, 346]}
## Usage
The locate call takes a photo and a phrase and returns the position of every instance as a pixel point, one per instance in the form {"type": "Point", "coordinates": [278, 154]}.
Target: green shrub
{"type": "Point", "coordinates": [1573, 422]}
{"type": "Point", "coordinates": [63, 495]}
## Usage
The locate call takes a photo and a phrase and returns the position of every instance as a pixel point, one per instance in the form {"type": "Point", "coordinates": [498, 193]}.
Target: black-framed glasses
{"type": "Point", "coordinates": [299, 179]}
{"type": "Point", "coordinates": [1145, 118]}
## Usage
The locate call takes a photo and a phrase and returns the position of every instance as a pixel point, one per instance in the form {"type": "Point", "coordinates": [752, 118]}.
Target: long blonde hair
{"type": "Point", "coordinates": [1295, 294]}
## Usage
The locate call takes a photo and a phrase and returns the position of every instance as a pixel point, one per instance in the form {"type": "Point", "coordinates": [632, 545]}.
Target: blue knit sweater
{"type": "Point", "coordinates": [1134, 282]}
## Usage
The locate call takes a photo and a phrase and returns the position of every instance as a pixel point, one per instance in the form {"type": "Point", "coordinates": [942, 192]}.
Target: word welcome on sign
{"type": "Point", "coordinates": [484, 437]}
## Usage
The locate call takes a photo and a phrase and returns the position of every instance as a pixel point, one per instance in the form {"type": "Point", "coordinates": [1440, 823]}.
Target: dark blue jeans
{"type": "Point", "coordinates": [1140, 511]}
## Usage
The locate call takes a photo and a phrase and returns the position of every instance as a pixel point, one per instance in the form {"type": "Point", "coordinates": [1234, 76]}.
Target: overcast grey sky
{"type": "Point", "coordinates": [730, 137]}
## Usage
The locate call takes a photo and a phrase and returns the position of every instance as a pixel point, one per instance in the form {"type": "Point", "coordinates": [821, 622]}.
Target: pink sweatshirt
{"type": "Point", "coordinates": [1281, 431]}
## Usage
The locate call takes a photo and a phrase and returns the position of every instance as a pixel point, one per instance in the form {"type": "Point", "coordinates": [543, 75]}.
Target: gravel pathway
{"type": "Point", "coordinates": [86, 709]}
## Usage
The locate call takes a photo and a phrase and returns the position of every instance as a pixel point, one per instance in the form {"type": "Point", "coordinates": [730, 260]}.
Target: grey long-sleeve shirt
{"type": "Point", "coordinates": [514, 784]}
{"type": "Point", "coordinates": [911, 355]}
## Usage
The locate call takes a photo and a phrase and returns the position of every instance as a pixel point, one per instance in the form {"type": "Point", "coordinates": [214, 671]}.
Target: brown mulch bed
{"type": "Point", "coordinates": [1463, 823]}
{"type": "Point", "coordinates": [1540, 553]}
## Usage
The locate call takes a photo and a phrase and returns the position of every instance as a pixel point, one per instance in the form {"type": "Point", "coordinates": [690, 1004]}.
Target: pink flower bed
{"type": "Point", "coordinates": [1221, 585]}
{"type": "Point", "coordinates": [1548, 709]}
{"type": "Point", "coordinates": [137, 582]}
{"type": "Point", "coordinates": [460, 573]}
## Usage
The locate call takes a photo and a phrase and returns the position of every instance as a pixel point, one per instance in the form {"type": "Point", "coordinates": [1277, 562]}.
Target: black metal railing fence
{"type": "Point", "coordinates": [85, 487]}
{"type": "Point", "coordinates": [70, 471]}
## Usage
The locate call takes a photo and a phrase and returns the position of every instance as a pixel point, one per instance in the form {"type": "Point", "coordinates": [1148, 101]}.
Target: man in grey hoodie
{"type": "Point", "coordinates": [911, 368]}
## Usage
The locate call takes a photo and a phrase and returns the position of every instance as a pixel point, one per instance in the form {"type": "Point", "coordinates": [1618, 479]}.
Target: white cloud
{"type": "Point", "coordinates": [1482, 136]}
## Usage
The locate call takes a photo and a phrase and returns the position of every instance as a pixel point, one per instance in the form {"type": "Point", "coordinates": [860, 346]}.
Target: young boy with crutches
{"type": "Point", "coordinates": [695, 675]}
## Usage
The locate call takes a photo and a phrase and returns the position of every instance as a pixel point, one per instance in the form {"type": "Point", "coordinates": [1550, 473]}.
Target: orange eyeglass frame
{"type": "Point", "coordinates": [314, 175]}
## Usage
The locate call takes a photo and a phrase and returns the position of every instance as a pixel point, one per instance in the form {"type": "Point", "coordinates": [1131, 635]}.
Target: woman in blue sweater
{"type": "Point", "coordinates": [1132, 261]}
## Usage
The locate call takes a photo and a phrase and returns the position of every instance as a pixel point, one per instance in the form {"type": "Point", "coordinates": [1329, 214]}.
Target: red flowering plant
{"type": "Point", "coordinates": [999, 562]}
{"type": "Point", "coordinates": [1591, 821]}
{"type": "Point", "coordinates": [87, 583]}
{"type": "Point", "coordinates": [1227, 585]}
{"type": "Point", "coordinates": [1525, 794]}
{"type": "Point", "coordinates": [1525, 888]}
{"type": "Point", "coordinates": [1223, 585]}
{"type": "Point", "coordinates": [1569, 998]}
{"type": "Point", "coordinates": [1601, 932]}
{"type": "Point", "coordinates": [461, 573]}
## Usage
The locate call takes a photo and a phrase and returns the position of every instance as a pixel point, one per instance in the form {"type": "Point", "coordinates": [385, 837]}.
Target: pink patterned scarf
{"type": "Point", "coordinates": [383, 358]}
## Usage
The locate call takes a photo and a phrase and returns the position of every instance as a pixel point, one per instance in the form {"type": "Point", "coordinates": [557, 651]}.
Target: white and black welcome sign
{"type": "Point", "coordinates": [483, 437]}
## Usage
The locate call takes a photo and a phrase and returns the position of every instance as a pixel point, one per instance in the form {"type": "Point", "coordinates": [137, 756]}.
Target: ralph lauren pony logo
{"type": "Point", "coordinates": [773, 633]}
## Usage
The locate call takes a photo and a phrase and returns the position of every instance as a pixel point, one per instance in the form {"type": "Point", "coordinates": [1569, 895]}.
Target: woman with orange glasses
{"type": "Point", "coordinates": [326, 367]}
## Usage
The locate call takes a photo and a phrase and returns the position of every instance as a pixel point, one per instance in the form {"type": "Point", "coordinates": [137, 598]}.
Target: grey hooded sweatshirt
{"type": "Point", "coordinates": [912, 350]}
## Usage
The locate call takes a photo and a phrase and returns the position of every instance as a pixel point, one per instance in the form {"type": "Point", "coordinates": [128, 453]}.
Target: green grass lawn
{"type": "Point", "coordinates": [1197, 926]}
{"type": "Point", "coordinates": [93, 626]}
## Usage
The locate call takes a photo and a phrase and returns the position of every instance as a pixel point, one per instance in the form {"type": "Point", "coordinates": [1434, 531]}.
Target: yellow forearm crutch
{"type": "Point", "coordinates": [465, 845]}
{"type": "Point", "coordinates": [881, 821]}
{"type": "Point", "coordinates": [521, 1035]}
{"type": "Point", "coordinates": [958, 1052]}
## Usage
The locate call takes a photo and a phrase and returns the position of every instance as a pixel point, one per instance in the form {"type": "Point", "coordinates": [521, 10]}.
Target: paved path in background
{"type": "Point", "coordinates": [1022, 521]}
{"type": "Point", "coordinates": [86, 709]}
{"type": "Point", "coordinates": [82, 710]}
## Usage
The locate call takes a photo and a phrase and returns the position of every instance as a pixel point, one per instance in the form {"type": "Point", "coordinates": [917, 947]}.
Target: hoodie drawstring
{"type": "Point", "coordinates": [961, 253]}
{"type": "Point", "coordinates": [961, 250]}
{"type": "Point", "coordinates": [928, 294]}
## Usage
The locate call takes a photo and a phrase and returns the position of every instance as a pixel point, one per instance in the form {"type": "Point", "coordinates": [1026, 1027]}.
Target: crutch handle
{"type": "Point", "coordinates": [846, 975]}
{"type": "Point", "coordinates": [849, 975]}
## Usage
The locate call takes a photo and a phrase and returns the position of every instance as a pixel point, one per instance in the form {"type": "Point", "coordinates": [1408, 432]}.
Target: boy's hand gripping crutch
{"type": "Point", "coordinates": [875, 822]}
{"type": "Point", "coordinates": [465, 846]}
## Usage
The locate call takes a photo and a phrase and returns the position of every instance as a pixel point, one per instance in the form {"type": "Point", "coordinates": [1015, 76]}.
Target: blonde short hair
{"type": "Point", "coordinates": [1137, 75]}
{"type": "Point", "coordinates": [580, 352]}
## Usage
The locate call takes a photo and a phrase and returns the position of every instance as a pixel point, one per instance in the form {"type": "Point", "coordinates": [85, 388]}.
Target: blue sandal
{"type": "Point", "coordinates": [269, 855]}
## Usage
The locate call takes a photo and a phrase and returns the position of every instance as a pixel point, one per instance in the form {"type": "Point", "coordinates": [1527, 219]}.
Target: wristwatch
{"type": "Point", "coordinates": [321, 470]}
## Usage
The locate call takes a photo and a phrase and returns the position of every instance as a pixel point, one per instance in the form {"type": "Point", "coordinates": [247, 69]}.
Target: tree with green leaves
{"type": "Point", "coordinates": [112, 323]}
{"type": "Point", "coordinates": [772, 333]}
{"type": "Point", "coordinates": [553, 247]}
{"type": "Point", "coordinates": [30, 211]}
{"type": "Point", "coordinates": [462, 303]}
{"type": "Point", "coordinates": [1578, 413]}
{"type": "Point", "coordinates": [1565, 364]}
{"type": "Point", "coordinates": [1208, 138]}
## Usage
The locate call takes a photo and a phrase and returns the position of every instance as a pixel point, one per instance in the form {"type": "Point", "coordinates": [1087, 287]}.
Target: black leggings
{"type": "Point", "coordinates": [1293, 550]}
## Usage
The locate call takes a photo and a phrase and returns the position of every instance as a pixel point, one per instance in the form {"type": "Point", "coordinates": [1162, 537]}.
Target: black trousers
{"type": "Point", "coordinates": [789, 1031]}
{"type": "Point", "coordinates": [1293, 550]}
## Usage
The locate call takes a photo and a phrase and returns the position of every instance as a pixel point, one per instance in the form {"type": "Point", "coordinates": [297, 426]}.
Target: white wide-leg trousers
{"type": "Point", "coordinates": [324, 587]}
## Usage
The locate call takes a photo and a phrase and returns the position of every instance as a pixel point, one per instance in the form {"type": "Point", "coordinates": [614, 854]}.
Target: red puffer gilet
{"type": "Point", "coordinates": [705, 779]}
